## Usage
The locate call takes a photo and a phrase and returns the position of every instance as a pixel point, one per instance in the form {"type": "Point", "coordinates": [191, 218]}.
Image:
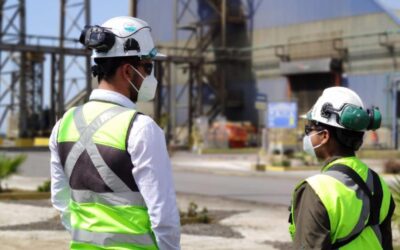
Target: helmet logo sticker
{"type": "Point", "coordinates": [129, 27]}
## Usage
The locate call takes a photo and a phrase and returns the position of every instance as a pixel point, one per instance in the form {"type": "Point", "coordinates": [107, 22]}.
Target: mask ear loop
{"type": "Point", "coordinates": [133, 85]}
{"type": "Point", "coordinates": [137, 71]}
{"type": "Point", "coordinates": [317, 134]}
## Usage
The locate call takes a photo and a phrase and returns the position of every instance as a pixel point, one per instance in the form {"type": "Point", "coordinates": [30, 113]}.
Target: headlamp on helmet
{"type": "Point", "coordinates": [97, 38]}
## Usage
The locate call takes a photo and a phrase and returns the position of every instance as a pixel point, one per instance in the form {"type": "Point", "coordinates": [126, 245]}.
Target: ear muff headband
{"type": "Point", "coordinates": [353, 117]}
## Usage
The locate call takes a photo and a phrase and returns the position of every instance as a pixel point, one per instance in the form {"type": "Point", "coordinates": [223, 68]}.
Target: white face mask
{"type": "Point", "coordinates": [148, 88]}
{"type": "Point", "coordinates": [307, 144]}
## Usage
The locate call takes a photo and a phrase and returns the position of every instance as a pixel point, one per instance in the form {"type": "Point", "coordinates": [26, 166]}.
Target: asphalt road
{"type": "Point", "coordinates": [272, 188]}
{"type": "Point", "coordinates": [263, 188]}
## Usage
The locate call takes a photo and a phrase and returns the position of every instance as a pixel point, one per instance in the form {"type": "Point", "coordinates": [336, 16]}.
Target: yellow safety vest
{"type": "Point", "coordinates": [349, 205]}
{"type": "Point", "coordinates": [107, 209]}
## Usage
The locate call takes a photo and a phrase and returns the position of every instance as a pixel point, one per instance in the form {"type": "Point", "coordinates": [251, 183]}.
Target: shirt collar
{"type": "Point", "coordinates": [111, 96]}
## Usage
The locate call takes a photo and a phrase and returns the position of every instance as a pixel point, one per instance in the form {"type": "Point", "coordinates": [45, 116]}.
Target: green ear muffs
{"type": "Point", "coordinates": [375, 117]}
{"type": "Point", "coordinates": [353, 117]}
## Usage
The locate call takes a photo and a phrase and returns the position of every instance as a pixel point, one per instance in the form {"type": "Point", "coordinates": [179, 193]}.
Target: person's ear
{"type": "Point", "coordinates": [127, 71]}
{"type": "Point", "coordinates": [325, 136]}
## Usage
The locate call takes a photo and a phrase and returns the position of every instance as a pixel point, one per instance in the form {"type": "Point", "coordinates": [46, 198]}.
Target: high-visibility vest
{"type": "Point", "coordinates": [107, 209]}
{"type": "Point", "coordinates": [348, 203]}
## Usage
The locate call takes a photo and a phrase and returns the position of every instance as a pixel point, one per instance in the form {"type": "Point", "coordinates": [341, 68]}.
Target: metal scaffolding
{"type": "Point", "coordinates": [199, 29]}
{"type": "Point", "coordinates": [74, 15]}
{"type": "Point", "coordinates": [22, 59]}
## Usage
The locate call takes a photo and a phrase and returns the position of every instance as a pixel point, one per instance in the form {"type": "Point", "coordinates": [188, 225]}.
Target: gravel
{"type": "Point", "coordinates": [36, 203]}
{"type": "Point", "coordinates": [52, 224]}
{"type": "Point", "coordinates": [280, 245]}
{"type": "Point", "coordinates": [210, 230]}
{"type": "Point", "coordinates": [213, 228]}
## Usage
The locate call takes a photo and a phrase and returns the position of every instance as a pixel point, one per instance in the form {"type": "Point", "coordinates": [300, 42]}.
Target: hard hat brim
{"type": "Point", "coordinates": [160, 56]}
{"type": "Point", "coordinates": [306, 116]}
{"type": "Point", "coordinates": [303, 116]}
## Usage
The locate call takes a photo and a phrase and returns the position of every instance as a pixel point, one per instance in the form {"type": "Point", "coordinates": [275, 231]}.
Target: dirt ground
{"type": "Point", "coordinates": [35, 225]}
{"type": "Point", "coordinates": [237, 225]}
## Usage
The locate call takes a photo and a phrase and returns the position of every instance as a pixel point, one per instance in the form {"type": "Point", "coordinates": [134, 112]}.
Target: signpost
{"type": "Point", "coordinates": [261, 106]}
{"type": "Point", "coordinates": [261, 101]}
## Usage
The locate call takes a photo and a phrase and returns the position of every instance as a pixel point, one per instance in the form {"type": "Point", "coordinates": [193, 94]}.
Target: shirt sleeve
{"type": "Point", "coordinates": [153, 175]}
{"type": "Point", "coordinates": [311, 219]}
{"type": "Point", "coordinates": [60, 190]}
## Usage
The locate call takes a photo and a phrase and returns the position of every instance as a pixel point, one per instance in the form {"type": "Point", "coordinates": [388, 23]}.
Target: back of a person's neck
{"type": "Point", "coordinates": [113, 87]}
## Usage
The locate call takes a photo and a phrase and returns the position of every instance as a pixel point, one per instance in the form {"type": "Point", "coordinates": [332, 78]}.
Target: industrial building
{"type": "Point", "coordinates": [224, 56]}
{"type": "Point", "coordinates": [295, 49]}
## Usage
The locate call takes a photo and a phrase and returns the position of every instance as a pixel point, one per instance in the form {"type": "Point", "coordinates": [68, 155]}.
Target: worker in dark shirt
{"type": "Point", "coordinates": [347, 205]}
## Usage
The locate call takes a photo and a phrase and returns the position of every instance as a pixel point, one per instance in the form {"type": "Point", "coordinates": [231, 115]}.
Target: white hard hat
{"type": "Point", "coordinates": [342, 108]}
{"type": "Point", "coordinates": [120, 37]}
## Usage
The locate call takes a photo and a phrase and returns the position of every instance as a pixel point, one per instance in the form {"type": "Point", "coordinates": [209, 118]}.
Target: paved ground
{"type": "Point", "coordinates": [257, 224]}
{"type": "Point", "coordinates": [270, 189]}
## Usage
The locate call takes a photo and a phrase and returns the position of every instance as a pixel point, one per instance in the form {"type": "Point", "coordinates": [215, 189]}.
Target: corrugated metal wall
{"type": "Point", "coordinates": [274, 13]}
{"type": "Point", "coordinates": [270, 13]}
{"type": "Point", "coordinates": [274, 88]}
{"type": "Point", "coordinates": [161, 16]}
{"type": "Point", "coordinates": [374, 90]}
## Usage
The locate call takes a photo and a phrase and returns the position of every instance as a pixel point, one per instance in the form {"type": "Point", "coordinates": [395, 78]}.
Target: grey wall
{"type": "Point", "coordinates": [373, 90]}
{"type": "Point", "coordinates": [275, 88]}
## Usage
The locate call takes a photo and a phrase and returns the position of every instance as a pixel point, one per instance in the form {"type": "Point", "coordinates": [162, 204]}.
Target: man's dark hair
{"type": "Point", "coordinates": [106, 67]}
{"type": "Point", "coordinates": [349, 140]}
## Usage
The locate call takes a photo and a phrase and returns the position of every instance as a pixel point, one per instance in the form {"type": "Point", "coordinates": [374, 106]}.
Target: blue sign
{"type": "Point", "coordinates": [282, 115]}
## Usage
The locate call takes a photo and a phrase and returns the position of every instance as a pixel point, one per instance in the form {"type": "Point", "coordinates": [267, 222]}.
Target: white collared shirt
{"type": "Point", "coordinates": [152, 174]}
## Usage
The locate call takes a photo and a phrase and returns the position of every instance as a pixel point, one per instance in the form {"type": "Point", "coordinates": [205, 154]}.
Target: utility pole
{"type": "Point", "coordinates": [133, 8]}
{"type": "Point", "coordinates": [395, 136]}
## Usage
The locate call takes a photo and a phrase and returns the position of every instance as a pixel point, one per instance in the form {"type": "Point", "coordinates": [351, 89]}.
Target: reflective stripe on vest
{"type": "Point", "coordinates": [338, 191]}
{"type": "Point", "coordinates": [107, 239]}
{"type": "Point", "coordinates": [365, 210]}
{"type": "Point", "coordinates": [85, 142]}
{"type": "Point", "coordinates": [103, 220]}
{"type": "Point", "coordinates": [114, 199]}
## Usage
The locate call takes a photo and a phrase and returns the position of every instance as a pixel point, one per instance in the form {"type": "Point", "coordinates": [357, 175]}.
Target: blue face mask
{"type": "Point", "coordinates": [307, 144]}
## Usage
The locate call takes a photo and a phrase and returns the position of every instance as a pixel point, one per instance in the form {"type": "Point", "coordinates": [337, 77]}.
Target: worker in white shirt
{"type": "Point", "coordinates": [110, 171]}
